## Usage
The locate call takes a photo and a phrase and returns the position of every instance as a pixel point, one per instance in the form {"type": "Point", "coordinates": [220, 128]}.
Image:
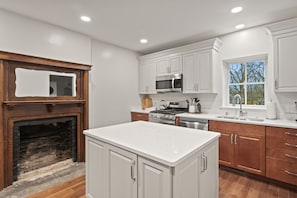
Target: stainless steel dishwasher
{"type": "Point", "coordinates": [194, 123]}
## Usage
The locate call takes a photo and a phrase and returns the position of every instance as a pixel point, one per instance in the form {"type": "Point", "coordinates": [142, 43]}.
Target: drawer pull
{"type": "Point", "coordinates": [290, 173]}
{"type": "Point", "coordinates": [291, 134]}
{"type": "Point", "coordinates": [291, 156]}
{"type": "Point", "coordinates": [291, 145]}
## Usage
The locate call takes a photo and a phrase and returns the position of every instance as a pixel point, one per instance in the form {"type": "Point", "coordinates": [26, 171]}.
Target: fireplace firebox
{"type": "Point", "coordinates": [43, 142]}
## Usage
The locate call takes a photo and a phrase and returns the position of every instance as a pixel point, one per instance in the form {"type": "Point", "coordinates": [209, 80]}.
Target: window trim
{"type": "Point", "coordinates": [225, 83]}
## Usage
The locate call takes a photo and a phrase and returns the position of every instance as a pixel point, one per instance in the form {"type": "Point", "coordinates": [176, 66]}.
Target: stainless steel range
{"type": "Point", "coordinates": [167, 114]}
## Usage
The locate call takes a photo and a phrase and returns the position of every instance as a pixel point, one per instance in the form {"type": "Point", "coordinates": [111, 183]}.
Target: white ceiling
{"type": "Point", "coordinates": [165, 23]}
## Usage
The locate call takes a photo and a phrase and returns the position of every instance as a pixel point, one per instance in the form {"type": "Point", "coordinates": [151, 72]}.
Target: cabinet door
{"type": "Point", "coordinates": [226, 147]}
{"type": "Point", "coordinates": [175, 65]}
{"type": "Point", "coordinates": [122, 171]}
{"type": "Point", "coordinates": [163, 67]}
{"type": "Point", "coordinates": [147, 78]}
{"type": "Point", "coordinates": [204, 72]}
{"type": "Point", "coordinates": [154, 180]}
{"type": "Point", "coordinates": [285, 57]}
{"type": "Point", "coordinates": [190, 69]}
{"type": "Point", "coordinates": [186, 176]}
{"type": "Point", "coordinates": [95, 172]}
{"type": "Point", "coordinates": [209, 172]}
{"type": "Point", "coordinates": [250, 149]}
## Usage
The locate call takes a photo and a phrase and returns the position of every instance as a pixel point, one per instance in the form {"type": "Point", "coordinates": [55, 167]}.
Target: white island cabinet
{"type": "Point", "coordinates": [149, 160]}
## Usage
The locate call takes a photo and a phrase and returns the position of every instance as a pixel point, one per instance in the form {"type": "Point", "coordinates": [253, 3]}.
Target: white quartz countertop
{"type": "Point", "coordinates": [265, 122]}
{"type": "Point", "coordinates": [166, 144]}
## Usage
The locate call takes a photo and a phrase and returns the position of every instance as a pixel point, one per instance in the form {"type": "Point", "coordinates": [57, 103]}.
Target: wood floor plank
{"type": "Point", "coordinates": [232, 185]}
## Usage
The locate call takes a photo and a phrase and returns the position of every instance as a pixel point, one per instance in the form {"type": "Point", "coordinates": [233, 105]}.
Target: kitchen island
{"type": "Point", "coordinates": [149, 160]}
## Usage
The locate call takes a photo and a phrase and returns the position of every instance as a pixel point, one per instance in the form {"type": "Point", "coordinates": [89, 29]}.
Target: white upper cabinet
{"type": "Point", "coordinates": [198, 71]}
{"type": "Point", "coordinates": [195, 61]}
{"type": "Point", "coordinates": [147, 77]}
{"type": "Point", "coordinates": [169, 65]}
{"type": "Point", "coordinates": [285, 55]}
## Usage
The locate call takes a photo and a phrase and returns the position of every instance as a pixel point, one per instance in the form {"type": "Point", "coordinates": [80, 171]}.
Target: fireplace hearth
{"type": "Point", "coordinates": [43, 142]}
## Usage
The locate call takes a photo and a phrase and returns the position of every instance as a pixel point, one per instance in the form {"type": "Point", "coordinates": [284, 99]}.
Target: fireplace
{"type": "Point", "coordinates": [43, 142]}
{"type": "Point", "coordinates": [40, 130]}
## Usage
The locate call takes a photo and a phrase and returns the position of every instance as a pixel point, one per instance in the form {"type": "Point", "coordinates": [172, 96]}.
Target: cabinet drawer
{"type": "Point", "coordinates": [281, 138]}
{"type": "Point", "coordinates": [286, 155]}
{"type": "Point", "coordinates": [236, 128]}
{"type": "Point", "coordinates": [135, 116]}
{"type": "Point", "coordinates": [281, 170]}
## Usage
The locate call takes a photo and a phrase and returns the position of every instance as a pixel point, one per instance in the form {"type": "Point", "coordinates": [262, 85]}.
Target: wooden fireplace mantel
{"type": "Point", "coordinates": [14, 108]}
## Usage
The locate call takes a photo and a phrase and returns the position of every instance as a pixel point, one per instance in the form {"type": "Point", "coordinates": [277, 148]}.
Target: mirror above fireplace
{"type": "Point", "coordinates": [41, 83]}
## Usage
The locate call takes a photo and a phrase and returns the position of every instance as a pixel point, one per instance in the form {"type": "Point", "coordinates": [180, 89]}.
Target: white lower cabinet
{"type": "Point", "coordinates": [198, 175]}
{"type": "Point", "coordinates": [116, 173]}
{"type": "Point", "coordinates": [154, 180]}
{"type": "Point", "coordinates": [110, 172]}
{"type": "Point", "coordinates": [122, 173]}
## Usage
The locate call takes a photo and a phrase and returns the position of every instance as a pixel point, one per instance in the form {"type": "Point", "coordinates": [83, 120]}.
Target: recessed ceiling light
{"type": "Point", "coordinates": [143, 40]}
{"type": "Point", "coordinates": [85, 18]}
{"type": "Point", "coordinates": [240, 26]}
{"type": "Point", "coordinates": [236, 9]}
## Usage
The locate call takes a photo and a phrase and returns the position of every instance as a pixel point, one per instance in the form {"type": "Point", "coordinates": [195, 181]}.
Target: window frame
{"type": "Point", "coordinates": [226, 77]}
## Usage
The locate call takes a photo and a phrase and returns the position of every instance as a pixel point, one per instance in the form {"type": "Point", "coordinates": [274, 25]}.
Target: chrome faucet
{"type": "Point", "coordinates": [241, 113]}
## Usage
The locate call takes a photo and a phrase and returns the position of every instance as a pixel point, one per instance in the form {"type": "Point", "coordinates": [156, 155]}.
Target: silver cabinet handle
{"type": "Point", "coordinates": [291, 134]}
{"type": "Point", "coordinates": [291, 156]}
{"type": "Point", "coordinates": [133, 175]}
{"type": "Point", "coordinates": [172, 83]}
{"type": "Point", "coordinates": [291, 173]}
{"type": "Point", "coordinates": [205, 161]}
{"type": "Point", "coordinates": [231, 138]}
{"type": "Point", "coordinates": [291, 145]}
{"type": "Point", "coordinates": [235, 139]}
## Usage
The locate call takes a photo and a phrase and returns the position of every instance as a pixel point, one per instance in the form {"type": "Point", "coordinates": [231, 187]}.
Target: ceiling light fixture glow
{"type": "Point", "coordinates": [240, 26]}
{"type": "Point", "coordinates": [143, 41]}
{"type": "Point", "coordinates": [85, 18]}
{"type": "Point", "coordinates": [236, 10]}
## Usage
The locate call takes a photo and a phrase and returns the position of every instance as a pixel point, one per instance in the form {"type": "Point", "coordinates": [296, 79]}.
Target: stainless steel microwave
{"type": "Point", "coordinates": [169, 83]}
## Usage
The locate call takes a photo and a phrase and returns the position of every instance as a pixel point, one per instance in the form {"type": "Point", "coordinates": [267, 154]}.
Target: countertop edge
{"type": "Point", "coordinates": [266, 122]}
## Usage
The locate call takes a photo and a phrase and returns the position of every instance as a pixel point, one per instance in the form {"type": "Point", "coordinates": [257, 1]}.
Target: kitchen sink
{"type": "Point", "coordinates": [238, 118]}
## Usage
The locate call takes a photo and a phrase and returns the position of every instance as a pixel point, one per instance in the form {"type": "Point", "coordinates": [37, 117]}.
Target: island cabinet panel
{"type": "Point", "coordinates": [122, 171]}
{"type": "Point", "coordinates": [242, 146]}
{"type": "Point", "coordinates": [95, 169]}
{"type": "Point", "coordinates": [205, 165]}
{"type": "Point", "coordinates": [111, 172]}
{"type": "Point", "coordinates": [281, 155]}
{"type": "Point", "coordinates": [154, 179]}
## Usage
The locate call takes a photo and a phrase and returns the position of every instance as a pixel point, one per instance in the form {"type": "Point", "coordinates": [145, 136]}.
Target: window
{"type": "Point", "coordinates": [246, 77]}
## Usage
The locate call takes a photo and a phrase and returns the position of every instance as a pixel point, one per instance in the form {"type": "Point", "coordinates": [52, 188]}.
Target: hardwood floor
{"type": "Point", "coordinates": [232, 185]}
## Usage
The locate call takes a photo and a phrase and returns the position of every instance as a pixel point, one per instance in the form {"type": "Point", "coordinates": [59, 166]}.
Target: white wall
{"type": "Point", "coordinates": [240, 44]}
{"type": "Point", "coordinates": [23, 35]}
{"type": "Point", "coordinates": [114, 75]}
{"type": "Point", "coordinates": [113, 84]}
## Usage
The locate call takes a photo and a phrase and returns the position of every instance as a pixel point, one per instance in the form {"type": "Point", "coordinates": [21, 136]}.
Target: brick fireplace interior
{"type": "Point", "coordinates": [43, 142]}
{"type": "Point", "coordinates": [37, 131]}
